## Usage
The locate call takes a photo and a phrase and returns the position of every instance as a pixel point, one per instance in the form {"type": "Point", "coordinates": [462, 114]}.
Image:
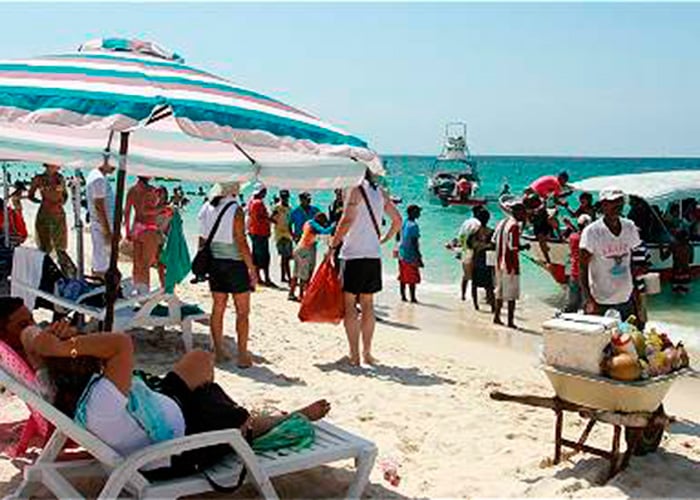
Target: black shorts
{"type": "Point", "coordinates": [540, 224]}
{"type": "Point", "coordinates": [229, 276]}
{"type": "Point", "coordinates": [195, 403]}
{"type": "Point", "coordinates": [362, 276]}
{"type": "Point", "coordinates": [261, 250]}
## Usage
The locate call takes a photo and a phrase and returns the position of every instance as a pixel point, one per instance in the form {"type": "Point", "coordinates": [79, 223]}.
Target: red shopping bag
{"type": "Point", "coordinates": [323, 299]}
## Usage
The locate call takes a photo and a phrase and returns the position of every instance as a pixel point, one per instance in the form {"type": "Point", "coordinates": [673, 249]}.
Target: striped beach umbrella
{"type": "Point", "coordinates": [139, 104]}
{"type": "Point", "coordinates": [182, 122]}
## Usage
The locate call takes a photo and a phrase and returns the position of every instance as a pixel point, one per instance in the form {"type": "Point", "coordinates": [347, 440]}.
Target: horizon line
{"type": "Point", "coordinates": [538, 155]}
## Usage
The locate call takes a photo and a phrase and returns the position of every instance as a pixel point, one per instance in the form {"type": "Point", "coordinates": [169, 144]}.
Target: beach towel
{"type": "Point", "coordinates": [36, 425]}
{"type": "Point", "coordinates": [294, 433]}
{"type": "Point", "coordinates": [27, 266]}
{"type": "Point", "coordinates": [175, 255]}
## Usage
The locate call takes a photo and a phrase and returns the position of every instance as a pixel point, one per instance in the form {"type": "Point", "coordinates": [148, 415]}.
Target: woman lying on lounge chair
{"type": "Point", "coordinates": [94, 383]}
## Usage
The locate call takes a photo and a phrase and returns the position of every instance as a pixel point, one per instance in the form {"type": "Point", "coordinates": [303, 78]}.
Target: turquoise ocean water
{"type": "Point", "coordinates": [407, 178]}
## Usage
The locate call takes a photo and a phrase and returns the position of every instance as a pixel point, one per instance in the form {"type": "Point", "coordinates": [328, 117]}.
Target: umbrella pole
{"type": "Point", "coordinates": [6, 208]}
{"type": "Point", "coordinates": [113, 278]}
{"type": "Point", "coordinates": [78, 227]}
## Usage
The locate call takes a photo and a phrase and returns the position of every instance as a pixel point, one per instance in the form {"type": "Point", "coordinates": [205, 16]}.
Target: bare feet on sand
{"type": "Point", "coordinates": [245, 360]}
{"type": "Point", "coordinates": [223, 355]}
{"type": "Point", "coordinates": [352, 360]}
{"type": "Point", "coordinates": [316, 410]}
{"type": "Point", "coordinates": [369, 359]}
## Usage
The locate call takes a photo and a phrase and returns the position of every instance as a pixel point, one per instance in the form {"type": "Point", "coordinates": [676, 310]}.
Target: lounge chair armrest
{"type": "Point", "coordinates": [91, 293]}
{"type": "Point", "coordinates": [176, 446]}
{"type": "Point", "coordinates": [137, 460]}
{"type": "Point", "coordinates": [233, 437]}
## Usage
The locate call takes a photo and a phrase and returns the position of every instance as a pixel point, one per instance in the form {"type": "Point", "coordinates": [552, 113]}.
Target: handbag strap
{"type": "Point", "coordinates": [371, 213]}
{"type": "Point", "coordinates": [212, 233]}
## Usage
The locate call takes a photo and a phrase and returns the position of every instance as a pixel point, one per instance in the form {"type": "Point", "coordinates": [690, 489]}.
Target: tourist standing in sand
{"type": "Point", "coordinates": [50, 225]}
{"type": "Point", "coordinates": [410, 258]}
{"type": "Point", "coordinates": [482, 276]}
{"type": "Point", "coordinates": [302, 214]}
{"type": "Point", "coordinates": [165, 215]}
{"type": "Point", "coordinates": [335, 209]}
{"type": "Point", "coordinates": [17, 225]}
{"type": "Point", "coordinates": [283, 235]}
{"type": "Point", "coordinates": [100, 200]}
{"type": "Point", "coordinates": [232, 272]}
{"type": "Point", "coordinates": [507, 270]}
{"type": "Point", "coordinates": [463, 242]}
{"type": "Point", "coordinates": [575, 297]}
{"type": "Point", "coordinates": [305, 254]}
{"type": "Point", "coordinates": [259, 231]}
{"type": "Point", "coordinates": [144, 232]}
{"type": "Point", "coordinates": [360, 235]}
{"type": "Point", "coordinates": [606, 258]}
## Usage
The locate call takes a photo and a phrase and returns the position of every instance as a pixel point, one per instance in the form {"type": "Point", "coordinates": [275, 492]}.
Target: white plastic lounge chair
{"type": "Point", "coordinates": [133, 311]}
{"type": "Point", "coordinates": [331, 444]}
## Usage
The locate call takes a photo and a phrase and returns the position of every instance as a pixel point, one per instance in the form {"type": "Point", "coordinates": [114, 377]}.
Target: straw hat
{"type": "Point", "coordinates": [232, 188]}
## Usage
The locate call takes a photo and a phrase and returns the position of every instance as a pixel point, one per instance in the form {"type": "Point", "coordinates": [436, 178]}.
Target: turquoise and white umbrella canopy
{"type": "Point", "coordinates": [183, 122]}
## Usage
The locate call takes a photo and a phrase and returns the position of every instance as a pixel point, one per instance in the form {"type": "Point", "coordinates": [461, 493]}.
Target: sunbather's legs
{"type": "Point", "coordinates": [367, 324]}
{"type": "Point", "coordinates": [195, 368]}
{"type": "Point", "coordinates": [260, 424]}
{"type": "Point", "coordinates": [242, 303]}
{"type": "Point", "coordinates": [352, 328]}
{"type": "Point", "coordinates": [216, 326]}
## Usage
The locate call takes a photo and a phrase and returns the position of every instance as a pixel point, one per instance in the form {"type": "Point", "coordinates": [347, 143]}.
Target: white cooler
{"type": "Point", "coordinates": [576, 341]}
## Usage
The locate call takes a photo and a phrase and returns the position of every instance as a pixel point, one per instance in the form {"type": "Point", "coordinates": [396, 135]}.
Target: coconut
{"type": "Point", "coordinates": [624, 367]}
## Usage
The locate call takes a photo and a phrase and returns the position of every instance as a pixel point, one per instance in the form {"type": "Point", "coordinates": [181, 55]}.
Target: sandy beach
{"type": "Point", "coordinates": [426, 405]}
{"type": "Point", "coordinates": [571, 131]}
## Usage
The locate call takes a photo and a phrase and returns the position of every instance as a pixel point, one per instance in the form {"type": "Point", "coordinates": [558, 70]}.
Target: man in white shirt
{"type": "Point", "coordinates": [606, 258]}
{"type": "Point", "coordinates": [100, 201]}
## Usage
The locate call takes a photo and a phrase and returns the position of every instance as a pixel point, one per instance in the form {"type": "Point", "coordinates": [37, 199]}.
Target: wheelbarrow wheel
{"type": "Point", "coordinates": [649, 437]}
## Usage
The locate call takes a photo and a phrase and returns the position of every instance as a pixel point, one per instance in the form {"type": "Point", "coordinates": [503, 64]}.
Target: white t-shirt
{"type": "Point", "coordinates": [99, 187]}
{"type": "Point", "coordinates": [108, 418]}
{"type": "Point", "coordinates": [610, 268]}
{"type": "Point", "coordinates": [468, 227]}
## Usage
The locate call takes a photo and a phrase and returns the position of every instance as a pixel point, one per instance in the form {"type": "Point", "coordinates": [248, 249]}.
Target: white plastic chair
{"type": "Point", "coordinates": [123, 473]}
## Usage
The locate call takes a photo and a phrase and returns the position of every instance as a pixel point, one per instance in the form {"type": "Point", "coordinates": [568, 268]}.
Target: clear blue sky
{"type": "Point", "coordinates": [568, 79]}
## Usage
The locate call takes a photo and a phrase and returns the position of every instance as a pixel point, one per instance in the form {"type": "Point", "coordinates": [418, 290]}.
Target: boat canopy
{"type": "Point", "coordinates": [652, 186]}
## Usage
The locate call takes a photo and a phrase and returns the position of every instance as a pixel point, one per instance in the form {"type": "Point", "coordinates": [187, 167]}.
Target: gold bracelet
{"type": "Point", "coordinates": [74, 349]}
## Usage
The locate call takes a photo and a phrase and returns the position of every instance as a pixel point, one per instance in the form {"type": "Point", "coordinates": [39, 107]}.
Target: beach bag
{"type": "Point", "coordinates": [323, 299]}
{"type": "Point", "coordinates": [72, 289]}
{"type": "Point", "coordinates": [202, 261]}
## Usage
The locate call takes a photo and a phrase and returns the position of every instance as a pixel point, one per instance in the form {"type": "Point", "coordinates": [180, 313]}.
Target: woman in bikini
{"type": "Point", "coordinates": [144, 232]}
{"type": "Point", "coordinates": [165, 215]}
{"type": "Point", "coordinates": [51, 230]}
